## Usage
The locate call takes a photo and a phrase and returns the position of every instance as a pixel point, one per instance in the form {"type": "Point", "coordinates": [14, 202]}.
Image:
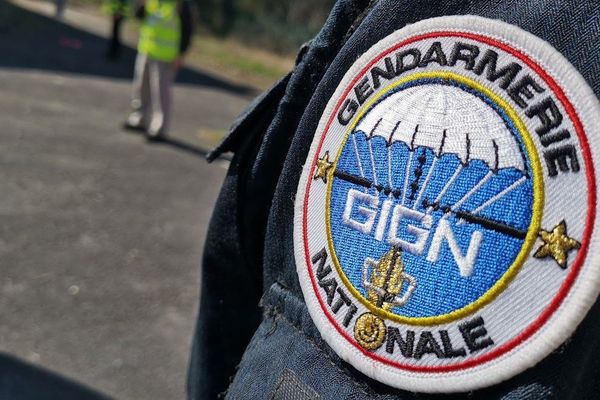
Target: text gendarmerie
{"type": "Point", "coordinates": [526, 92]}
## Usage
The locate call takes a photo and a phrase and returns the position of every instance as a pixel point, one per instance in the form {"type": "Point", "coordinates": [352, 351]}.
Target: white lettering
{"type": "Point", "coordinates": [362, 216]}
{"type": "Point", "coordinates": [383, 218]}
{"type": "Point", "coordinates": [420, 234]}
{"type": "Point", "coordinates": [369, 213]}
{"type": "Point", "coordinates": [465, 263]}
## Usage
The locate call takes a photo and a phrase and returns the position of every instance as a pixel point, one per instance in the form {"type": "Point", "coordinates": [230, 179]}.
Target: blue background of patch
{"type": "Point", "coordinates": [440, 288]}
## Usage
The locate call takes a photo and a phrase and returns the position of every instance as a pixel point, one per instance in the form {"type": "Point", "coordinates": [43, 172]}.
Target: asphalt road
{"type": "Point", "coordinates": [101, 233]}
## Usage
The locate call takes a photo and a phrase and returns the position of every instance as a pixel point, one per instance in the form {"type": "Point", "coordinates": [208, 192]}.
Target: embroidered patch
{"type": "Point", "coordinates": [444, 219]}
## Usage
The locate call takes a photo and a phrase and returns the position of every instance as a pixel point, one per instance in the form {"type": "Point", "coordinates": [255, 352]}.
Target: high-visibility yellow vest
{"type": "Point", "coordinates": [160, 32]}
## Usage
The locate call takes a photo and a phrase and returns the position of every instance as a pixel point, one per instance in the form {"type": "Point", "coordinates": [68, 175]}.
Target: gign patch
{"type": "Point", "coordinates": [444, 222]}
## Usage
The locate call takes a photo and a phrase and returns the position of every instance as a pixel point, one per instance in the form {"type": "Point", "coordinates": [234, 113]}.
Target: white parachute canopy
{"type": "Point", "coordinates": [445, 119]}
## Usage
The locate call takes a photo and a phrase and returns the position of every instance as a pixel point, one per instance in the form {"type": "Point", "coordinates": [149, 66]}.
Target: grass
{"type": "Point", "coordinates": [225, 57]}
{"type": "Point", "coordinates": [256, 66]}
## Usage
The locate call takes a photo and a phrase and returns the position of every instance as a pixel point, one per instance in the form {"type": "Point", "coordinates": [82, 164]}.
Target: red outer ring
{"type": "Point", "coordinates": [591, 200]}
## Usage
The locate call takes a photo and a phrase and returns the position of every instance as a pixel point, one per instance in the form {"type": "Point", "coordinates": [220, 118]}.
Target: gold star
{"type": "Point", "coordinates": [323, 167]}
{"type": "Point", "coordinates": [557, 244]}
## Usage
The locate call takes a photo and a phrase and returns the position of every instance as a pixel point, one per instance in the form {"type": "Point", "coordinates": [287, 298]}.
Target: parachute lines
{"type": "Point", "coordinates": [430, 172]}
{"type": "Point", "coordinates": [389, 156]}
{"type": "Point", "coordinates": [360, 168]}
{"type": "Point", "coordinates": [409, 164]}
{"type": "Point", "coordinates": [496, 157]}
{"type": "Point", "coordinates": [371, 151]}
{"type": "Point", "coordinates": [406, 171]}
{"type": "Point", "coordinates": [473, 190]}
{"type": "Point", "coordinates": [425, 183]}
{"type": "Point", "coordinates": [449, 183]}
{"type": "Point", "coordinates": [498, 196]}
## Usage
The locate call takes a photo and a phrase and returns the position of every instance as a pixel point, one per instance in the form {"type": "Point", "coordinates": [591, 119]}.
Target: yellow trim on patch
{"type": "Point", "coordinates": [534, 226]}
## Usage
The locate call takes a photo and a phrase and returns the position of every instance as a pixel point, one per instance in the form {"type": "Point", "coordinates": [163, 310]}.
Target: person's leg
{"type": "Point", "coordinates": [114, 47]}
{"type": "Point", "coordinates": [60, 8]}
{"type": "Point", "coordinates": [141, 98]}
{"type": "Point", "coordinates": [161, 80]}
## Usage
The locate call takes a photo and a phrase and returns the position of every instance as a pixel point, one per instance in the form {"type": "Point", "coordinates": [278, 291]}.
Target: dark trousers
{"type": "Point", "coordinates": [114, 46]}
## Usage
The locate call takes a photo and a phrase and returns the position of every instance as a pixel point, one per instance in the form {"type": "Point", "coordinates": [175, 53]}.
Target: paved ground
{"type": "Point", "coordinates": [101, 233]}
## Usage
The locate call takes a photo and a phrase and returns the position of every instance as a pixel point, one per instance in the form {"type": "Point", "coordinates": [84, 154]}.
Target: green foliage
{"type": "Point", "coordinates": [279, 25]}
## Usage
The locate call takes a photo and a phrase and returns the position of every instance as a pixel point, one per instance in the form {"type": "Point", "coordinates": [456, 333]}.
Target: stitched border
{"type": "Point", "coordinates": [534, 227]}
{"type": "Point", "coordinates": [540, 341]}
{"type": "Point", "coordinates": [584, 243]}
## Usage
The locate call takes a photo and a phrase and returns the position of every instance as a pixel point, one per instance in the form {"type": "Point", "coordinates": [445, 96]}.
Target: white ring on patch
{"type": "Point", "coordinates": [444, 220]}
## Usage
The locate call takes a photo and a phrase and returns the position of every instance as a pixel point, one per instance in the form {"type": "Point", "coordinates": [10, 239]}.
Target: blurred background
{"type": "Point", "coordinates": [101, 233]}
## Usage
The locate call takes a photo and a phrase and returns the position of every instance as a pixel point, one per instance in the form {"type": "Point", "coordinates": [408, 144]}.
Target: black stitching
{"type": "Point", "coordinates": [414, 186]}
{"type": "Point", "coordinates": [412, 141]}
{"type": "Point", "coordinates": [442, 144]}
{"type": "Point", "coordinates": [468, 150]}
{"type": "Point", "coordinates": [373, 130]}
{"type": "Point", "coordinates": [496, 155]}
{"type": "Point", "coordinates": [389, 141]}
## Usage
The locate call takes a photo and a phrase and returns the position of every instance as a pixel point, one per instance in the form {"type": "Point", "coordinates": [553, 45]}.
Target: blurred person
{"type": "Point", "coordinates": [165, 36]}
{"type": "Point", "coordinates": [60, 6]}
{"type": "Point", "coordinates": [118, 10]}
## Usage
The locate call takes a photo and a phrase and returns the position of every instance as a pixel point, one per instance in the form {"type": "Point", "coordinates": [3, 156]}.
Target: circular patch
{"type": "Point", "coordinates": [444, 218]}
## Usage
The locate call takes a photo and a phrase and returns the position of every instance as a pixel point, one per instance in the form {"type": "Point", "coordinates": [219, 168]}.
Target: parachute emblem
{"type": "Point", "coordinates": [445, 122]}
{"type": "Point", "coordinates": [445, 222]}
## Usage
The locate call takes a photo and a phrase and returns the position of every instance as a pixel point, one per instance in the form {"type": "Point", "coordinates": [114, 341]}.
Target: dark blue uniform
{"type": "Point", "coordinates": [255, 338]}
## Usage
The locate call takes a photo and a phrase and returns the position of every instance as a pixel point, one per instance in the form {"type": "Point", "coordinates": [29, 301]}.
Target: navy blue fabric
{"type": "Point", "coordinates": [232, 265]}
{"type": "Point", "coordinates": [249, 250]}
{"type": "Point", "coordinates": [287, 339]}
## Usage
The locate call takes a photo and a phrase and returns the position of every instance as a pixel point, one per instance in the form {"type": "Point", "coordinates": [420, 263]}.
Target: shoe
{"type": "Point", "coordinates": [131, 127]}
{"type": "Point", "coordinates": [155, 137]}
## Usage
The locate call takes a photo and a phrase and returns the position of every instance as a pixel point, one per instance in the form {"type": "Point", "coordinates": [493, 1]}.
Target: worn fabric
{"type": "Point", "coordinates": [249, 253]}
